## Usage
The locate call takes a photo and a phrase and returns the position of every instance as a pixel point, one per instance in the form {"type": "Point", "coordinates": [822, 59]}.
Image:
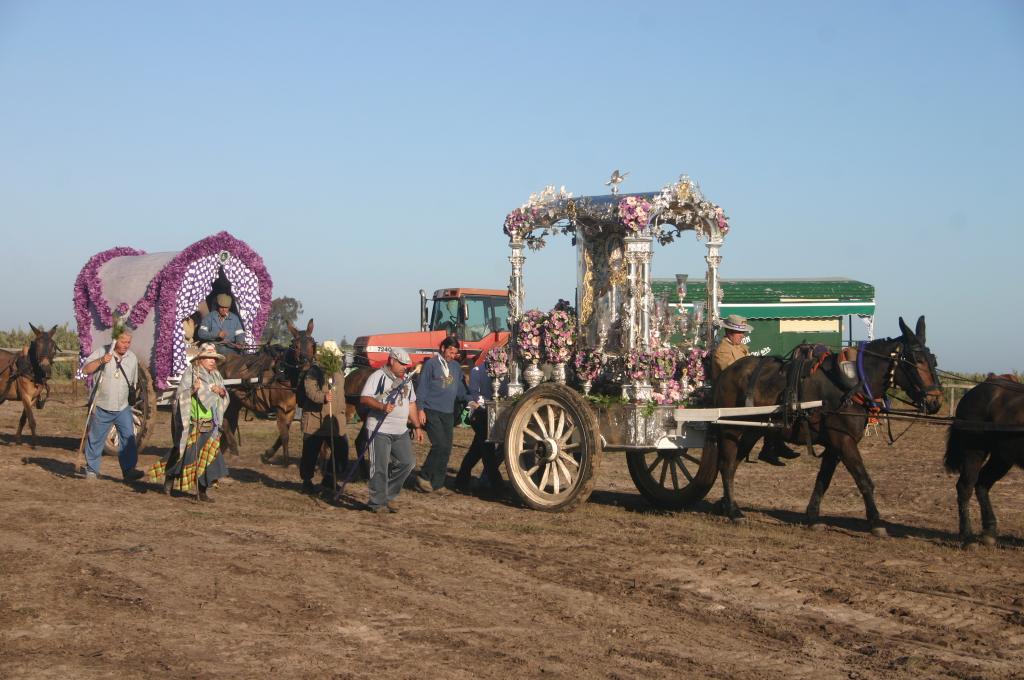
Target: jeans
{"type": "Point", "coordinates": [439, 428]}
{"type": "Point", "coordinates": [99, 427]}
{"type": "Point", "coordinates": [391, 462]}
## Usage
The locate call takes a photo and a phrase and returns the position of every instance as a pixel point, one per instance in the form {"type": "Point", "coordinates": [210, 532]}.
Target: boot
{"type": "Point", "coordinates": [168, 485]}
{"type": "Point", "coordinates": [203, 498]}
{"type": "Point", "coordinates": [771, 457]}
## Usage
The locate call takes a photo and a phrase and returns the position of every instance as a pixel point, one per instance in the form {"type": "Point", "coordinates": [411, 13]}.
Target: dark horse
{"type": "Point", "coordinates": [985, 440]}
{"type": "Point", "coordinates": [24, 376]}
{"type": "Point", "coordinates": [279, 371]}
{"type": "Point", "coordinates": [354, 382]}
{"type": "Point", "coordinates": [839, 425]}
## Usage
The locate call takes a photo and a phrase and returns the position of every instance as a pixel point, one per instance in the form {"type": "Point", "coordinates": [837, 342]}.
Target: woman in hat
{"type": "Point", "coordinates": [200, 401]}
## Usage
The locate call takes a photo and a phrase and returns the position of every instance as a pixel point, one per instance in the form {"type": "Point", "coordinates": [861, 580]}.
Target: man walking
{"type": "Point", "coordinates": [391, 403]}
{"type": "Point", "coordinates": [117, 371]}
{"type": "Point", "coordinates": [440, 385]}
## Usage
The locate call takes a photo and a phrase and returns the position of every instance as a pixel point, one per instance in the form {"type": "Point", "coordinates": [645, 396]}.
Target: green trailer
{"type": "Point", "coordinates": [784, 312]}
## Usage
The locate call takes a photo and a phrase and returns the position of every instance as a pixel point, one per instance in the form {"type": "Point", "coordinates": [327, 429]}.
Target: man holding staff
{"type": "Point", "coordinates": [117, 372]}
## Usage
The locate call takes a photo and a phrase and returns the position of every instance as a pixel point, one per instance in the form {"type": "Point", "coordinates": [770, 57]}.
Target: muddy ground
{"type": "Point", "coordinates": [100, 579]}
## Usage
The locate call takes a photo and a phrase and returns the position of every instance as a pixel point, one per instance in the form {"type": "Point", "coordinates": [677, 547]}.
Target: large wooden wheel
{"type": "Point", "coordinates": [142, 414]}
{"type": "Point", "coordinates": [552, 448]}
{"type": "Point", "coordinates": [671, 479]}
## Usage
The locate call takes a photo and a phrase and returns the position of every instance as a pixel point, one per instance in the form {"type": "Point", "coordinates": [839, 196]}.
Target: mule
{"type": "Point", "coordinates": [839, 424]}
{"type": "Point", "coordinates": [24, 376]}
{"type": "Point", "coordinates": [985, 440]}
{"type": "Point", "coordinates": [280, 370]}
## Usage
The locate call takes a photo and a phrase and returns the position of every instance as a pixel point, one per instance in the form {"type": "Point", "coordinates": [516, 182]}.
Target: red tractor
{"type": "Point", "coordinates": [478, 317]}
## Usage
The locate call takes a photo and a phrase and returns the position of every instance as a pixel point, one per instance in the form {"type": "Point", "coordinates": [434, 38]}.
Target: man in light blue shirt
{"type": "Point", "coordinates": [116, 368]}
{"type": "Point", "coordinates": [223, 327]}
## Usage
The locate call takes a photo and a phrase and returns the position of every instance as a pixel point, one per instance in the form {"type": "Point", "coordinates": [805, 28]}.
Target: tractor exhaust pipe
{"type": "Point", "coordinates": [423, 310]}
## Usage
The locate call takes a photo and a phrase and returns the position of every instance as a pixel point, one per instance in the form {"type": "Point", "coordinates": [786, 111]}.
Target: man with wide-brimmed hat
{"type": "Point", "coordinates": [731, 348]}
{"type": "Point", "coordinates": [223, 327]}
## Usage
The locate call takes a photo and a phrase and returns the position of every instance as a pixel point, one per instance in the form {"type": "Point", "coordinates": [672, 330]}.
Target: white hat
{"type": "Point", "coordinates": [400, 355]}
{"type": "Point", "coordinates": [735, 322]}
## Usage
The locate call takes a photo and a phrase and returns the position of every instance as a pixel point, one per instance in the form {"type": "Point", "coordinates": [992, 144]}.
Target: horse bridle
{"type": "Point", "coordinates": [898, 358]}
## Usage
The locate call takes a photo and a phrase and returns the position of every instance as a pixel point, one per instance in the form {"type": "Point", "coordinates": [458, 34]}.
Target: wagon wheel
{"type": "Point", "coordinates": [672, 479]}
{"type": "Point", "coordinates": [142, 414]}
{"type": "Point", "coordinates": [552, 448]}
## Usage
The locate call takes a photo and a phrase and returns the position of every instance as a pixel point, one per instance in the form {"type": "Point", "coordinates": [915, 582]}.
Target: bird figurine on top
{"type": "Point", "coordinates": [615, 180]}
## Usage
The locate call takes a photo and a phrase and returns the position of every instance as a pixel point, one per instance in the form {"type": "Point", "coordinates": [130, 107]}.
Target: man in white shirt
{"type": "Point", "coordinates": [117, 370]}
{"type": "Point", "coordinates": [391, 401]}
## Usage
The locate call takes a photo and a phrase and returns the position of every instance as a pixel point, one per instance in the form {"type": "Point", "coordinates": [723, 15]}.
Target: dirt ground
{"type": "Point", "coordinates": [104, 580]}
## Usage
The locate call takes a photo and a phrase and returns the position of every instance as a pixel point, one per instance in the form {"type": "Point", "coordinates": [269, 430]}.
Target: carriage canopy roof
{"type": "Point", "coordinates": [154, 292]}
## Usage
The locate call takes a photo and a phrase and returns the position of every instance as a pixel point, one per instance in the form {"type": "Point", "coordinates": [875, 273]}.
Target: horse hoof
{"type": "Point", "coordinates": [880, 532]}
{"type": "Point", "coordinates": [816, 526]}
{"type": "Point", "coordinates": [266, 456]}
{"type": "Point", "coordinates": [738, 520]}
{"type": "Point", "coordinates": [970, 545]}
{"type": "Point", "coordinates": [987, 540]}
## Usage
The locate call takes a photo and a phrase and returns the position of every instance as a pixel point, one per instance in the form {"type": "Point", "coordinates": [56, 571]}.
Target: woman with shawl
{"type": "Point", "coordinates": [200, 401]}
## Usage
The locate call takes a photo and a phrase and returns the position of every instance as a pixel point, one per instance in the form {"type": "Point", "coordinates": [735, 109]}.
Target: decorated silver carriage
{"type": "Point", "coordinates": [161, 297]}
{"type": "Point", "coordinates": [627, 375]}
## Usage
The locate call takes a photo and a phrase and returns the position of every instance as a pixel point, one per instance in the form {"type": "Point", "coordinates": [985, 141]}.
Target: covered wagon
{"type": "Point", "coordinates": [161, 297]}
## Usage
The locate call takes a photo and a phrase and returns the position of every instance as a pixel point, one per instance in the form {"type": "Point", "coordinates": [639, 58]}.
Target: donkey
{"type": "Point", "coordinates": [839, 425]}
{"type": "Point", "coordinates": [985, 440]}
{"type": "Point", "coordinates": [280, 370]}
{"type": "Point", "coordinates": [24, 375]}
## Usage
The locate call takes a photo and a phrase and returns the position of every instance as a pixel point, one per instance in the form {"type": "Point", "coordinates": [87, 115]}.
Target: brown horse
{"type": "Point", "coordinates": [279, 371]}
{"type": "Point", "coordinates": [839, 425]}
{"type": "Point", "coordinates": [354, 382]}
{"type": "Point", "coordinates": [985, 440]}
{"type": "Point", "coordinates": [24, 376]}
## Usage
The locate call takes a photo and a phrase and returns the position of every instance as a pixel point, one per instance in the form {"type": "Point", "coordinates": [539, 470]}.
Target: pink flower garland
{"type": "Point", "coordinates": [89, 289]}
{"type": "Point", "coordinates": [166, 284]}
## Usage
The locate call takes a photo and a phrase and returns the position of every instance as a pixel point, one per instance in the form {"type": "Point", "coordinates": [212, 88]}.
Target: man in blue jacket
{"type": "Point", "coordinates": [223, 327]}
{"type": "Point", "coordinates": [440, 385]}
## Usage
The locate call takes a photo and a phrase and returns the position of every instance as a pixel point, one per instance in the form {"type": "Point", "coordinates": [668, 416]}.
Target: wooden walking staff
{"type": "Point", "coordinates": [330, 424]}
{"type": "Point", "coordinates": [80, 459]}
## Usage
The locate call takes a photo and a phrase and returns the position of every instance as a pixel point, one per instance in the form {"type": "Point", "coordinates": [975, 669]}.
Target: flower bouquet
{"type": "Point", "coordinates": [497, 362]}
{"type": "Point", "coordinates": [589, 364]}
{"type": "Point", "coordinates": [634, 214]}
{"type": "Point", "coordinates": [664, 364]}
{"type": "Point", "coordinates": [558, 336]}
{"type": "Point", "coordinates": [637, 364]}
{"type": "Point", "coordinates": [528, 340]}
{"type": "Point", "coordinates": [671, 392]}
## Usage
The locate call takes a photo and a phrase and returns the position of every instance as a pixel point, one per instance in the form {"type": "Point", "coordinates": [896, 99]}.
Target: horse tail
{"type": "Point", "coordinates": [954, 457]}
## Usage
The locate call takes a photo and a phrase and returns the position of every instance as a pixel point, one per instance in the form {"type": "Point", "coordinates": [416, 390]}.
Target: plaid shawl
{"type": "Point", "coordinates": [206, 396]}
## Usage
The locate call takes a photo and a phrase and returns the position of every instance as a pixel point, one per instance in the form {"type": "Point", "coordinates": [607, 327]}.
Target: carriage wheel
{"type": "Point", "coordinates": [142, 413]}
{"type": "Point", "coordinates": [671, 479]}
{"type": "Point", "coordinates": [552, 448]}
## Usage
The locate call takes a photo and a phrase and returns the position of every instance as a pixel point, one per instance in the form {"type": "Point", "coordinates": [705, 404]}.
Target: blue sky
{"type": "Point", "coordinates": [370, 151]}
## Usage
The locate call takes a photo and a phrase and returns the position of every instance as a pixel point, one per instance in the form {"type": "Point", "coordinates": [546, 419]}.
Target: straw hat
{"type": "Point", "coordinates": [735, 322]}
{"type": "Point", "coordinates": [207, 350]}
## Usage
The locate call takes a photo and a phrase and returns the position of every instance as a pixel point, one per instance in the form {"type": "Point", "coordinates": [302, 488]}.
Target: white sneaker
{"type": "Point", "coordinates": [91, 476]}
